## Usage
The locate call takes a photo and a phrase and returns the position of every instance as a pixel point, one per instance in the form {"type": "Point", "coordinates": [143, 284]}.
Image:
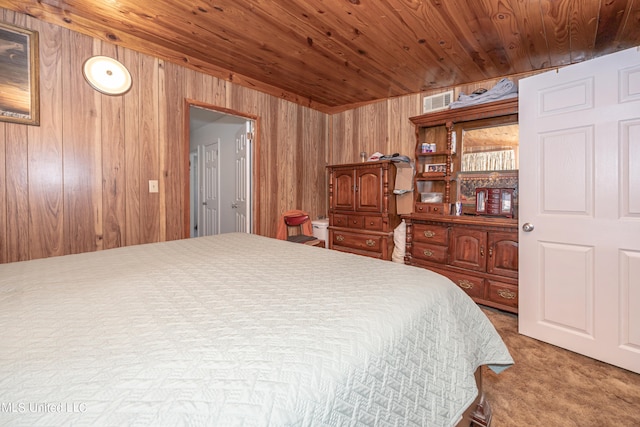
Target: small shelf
{"type": "Point", "coordinates": [434, 153]}
{"type": "Point", "coordinates": [432, 175]}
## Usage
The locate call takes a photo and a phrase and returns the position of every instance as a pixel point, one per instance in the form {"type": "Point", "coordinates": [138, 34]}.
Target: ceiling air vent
{"type": "Point", "coordinates": [436, 102]}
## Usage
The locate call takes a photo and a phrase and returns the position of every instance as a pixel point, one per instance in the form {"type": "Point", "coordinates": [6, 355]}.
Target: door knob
{"type": "Point", "coordinates": [528, 227]}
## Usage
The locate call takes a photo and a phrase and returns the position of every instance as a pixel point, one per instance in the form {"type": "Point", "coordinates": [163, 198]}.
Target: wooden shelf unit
{"type": "Point", "coordinates": [439, 128]}
{"type": "Point", "coordinates": [478, 253]}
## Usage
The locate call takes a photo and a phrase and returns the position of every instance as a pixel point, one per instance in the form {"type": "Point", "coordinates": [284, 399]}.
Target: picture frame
{"type": "Point", "coordinates": [435, 168]}
{"type": "Point", "coordinates": [19, 75]}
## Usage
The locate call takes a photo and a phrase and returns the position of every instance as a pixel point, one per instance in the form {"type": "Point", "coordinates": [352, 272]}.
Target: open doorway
{"type": "Point", "coordinates": [221, 171]}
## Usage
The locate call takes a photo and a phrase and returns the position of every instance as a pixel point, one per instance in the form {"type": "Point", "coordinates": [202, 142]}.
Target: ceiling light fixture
{"type": "Point", "coordinates": [107, 75]}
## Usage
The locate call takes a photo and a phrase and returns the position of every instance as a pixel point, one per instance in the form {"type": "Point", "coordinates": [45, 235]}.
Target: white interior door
{"type": "Point", "coordinates": [580, 191]}
{"type": "Point", "coordinates": [210, 221]}
{"type": "Point", "coordinates": [242, 202]}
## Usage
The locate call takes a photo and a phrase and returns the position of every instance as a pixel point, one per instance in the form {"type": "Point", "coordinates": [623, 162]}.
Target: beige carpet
{"type": "Point", "coordinates": [549, 386]}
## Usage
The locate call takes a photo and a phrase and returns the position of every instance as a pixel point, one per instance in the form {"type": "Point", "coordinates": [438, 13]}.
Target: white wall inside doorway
{"type": "Point", "coordinates": [207, 126]}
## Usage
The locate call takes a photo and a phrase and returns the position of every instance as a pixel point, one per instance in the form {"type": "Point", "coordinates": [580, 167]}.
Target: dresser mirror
{"type": "Point", "coordinates": [488, 158]}
{"type": "Point", "coordinates": [492, 148]}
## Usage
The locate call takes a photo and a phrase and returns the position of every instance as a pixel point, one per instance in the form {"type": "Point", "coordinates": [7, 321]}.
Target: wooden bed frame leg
{"type": "Point", "coordinates": [481, 417]}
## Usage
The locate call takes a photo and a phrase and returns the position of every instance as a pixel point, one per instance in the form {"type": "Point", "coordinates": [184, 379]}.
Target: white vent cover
{"type": "Point", "coordinates": [437, 102]}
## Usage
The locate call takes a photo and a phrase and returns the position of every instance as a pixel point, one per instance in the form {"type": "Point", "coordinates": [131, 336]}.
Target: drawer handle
{"type": "Point", "coordinates": [506, 294]}
{"type": "Point", "coordinates": [427, 252]}
{"type": "Point", "coordinates": [420, 208]}
{"type": "Point", "coordinates": [465, 284]}
{"type": "Point", "coordinates": [429, 233]}
{"type": "Point", "coordinates": [339, 237]}
{"type": "Point", "coordinates": [370, 242]}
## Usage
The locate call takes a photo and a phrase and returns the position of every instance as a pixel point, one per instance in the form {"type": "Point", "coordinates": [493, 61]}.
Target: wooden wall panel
{"type": "Point", "coordinates": [114, 171]}
{"type": "Point", "coordinates": [165, 84]}
{"type": "Point", "coordinates": [17, 231]}
{"type": "Point", "coordinates": [268, 178]}
{"type": "Point", "coordinates": [81, 149]}
{"type": "Point", "coordinates": [79, 181]}
{"type": "Point", "coordinates": [287, 183]}
{"type": "Point", "coordinates": [17, 192]}
{"type": "Point", "coordinates": [402, 138]}
{"type": "Point", "coordinates": [314, 176]}
{"type": "Point", "coordinates": [149, 149]}
{"type": "Point", "coordinates": [373, 131]}
{"type": "Point", "coordinates": [133, 186]}
{"type": "Point", "coordinates": [361, 129]}
{"type": "Point", "coordinates": [46, 201]}
{"type": "Point", "coordinates": [4, 253]}
{"type": "Point", "coordinates": [173, 151]}
{"type": "Point", "coordinates": [214, 91]}
{"type": "Point", "coordinates": [341, 132]}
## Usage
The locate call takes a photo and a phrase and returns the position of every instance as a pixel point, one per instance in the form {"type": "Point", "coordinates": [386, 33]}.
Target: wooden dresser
{"type": "Point", "coordinates": [362, 208]}
{"type": "Point", "coordinates": [479, 254]}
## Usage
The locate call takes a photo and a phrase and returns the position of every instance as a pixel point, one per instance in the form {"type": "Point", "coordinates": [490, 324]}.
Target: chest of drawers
{"type": "Point", "coordinates": [362, 209]}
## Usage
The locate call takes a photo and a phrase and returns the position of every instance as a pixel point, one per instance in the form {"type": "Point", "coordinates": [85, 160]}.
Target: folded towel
{"type": "Point", "coordinates": [504, 89]}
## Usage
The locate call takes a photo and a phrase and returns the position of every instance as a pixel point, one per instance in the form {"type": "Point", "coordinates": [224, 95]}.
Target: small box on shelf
{"type": "Point", "coordinates": [494, 201]}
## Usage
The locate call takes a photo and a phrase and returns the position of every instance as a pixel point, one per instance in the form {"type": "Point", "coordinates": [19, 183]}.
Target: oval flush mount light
{"type": "Point", "coordinates": [107, 75]}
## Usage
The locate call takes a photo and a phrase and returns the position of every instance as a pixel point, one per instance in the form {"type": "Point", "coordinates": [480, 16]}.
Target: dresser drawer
{"type": "Point", "coordinates": [436, 234]}
{"type": "Point", "coordinates": [355, 221]}
{"type": "Point", "coordinates": [428, 252]}
{"type": "Point", "coordinates": [473, 286]}
{"type": "Point", "coordinates": [340, 220]}
{"type": "Point", "coordinates": [433, 208]}
{"type": "Point", "coordinates": [373, 223]}
{"type": "Point", "coordinates": [503, 293]}
{"type": "Point", "coordinates": [357, 241]}
{"type": "Point", "coordinates": [358, 222]}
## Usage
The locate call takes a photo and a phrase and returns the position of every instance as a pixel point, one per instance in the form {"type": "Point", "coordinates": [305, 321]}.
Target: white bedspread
{"type": "Point", "coordinates": [236, 330]}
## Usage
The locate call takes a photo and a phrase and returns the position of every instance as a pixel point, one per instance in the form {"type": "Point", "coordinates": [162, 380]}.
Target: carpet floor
{"type": "Point", "coordinates": [549, 386]}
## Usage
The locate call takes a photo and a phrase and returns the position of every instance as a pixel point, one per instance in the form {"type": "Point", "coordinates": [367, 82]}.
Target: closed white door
{"type": "Point", "coordinates": [580, 208]}
{"type": "Point", "coordinates": [210, 190]}
{"type": "Point", "coordinates": [242, 202]}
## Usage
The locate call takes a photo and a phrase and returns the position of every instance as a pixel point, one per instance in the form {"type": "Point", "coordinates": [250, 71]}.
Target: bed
{"type": "Point", "coordinates": [237, 330]}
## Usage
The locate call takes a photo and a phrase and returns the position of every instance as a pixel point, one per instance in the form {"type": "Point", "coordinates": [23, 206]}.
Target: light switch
{"type": "Point", "coordinates": [153, 186]}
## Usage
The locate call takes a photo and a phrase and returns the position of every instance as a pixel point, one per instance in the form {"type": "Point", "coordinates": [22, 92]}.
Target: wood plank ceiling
{"type": "Point", "coordinates": [337, 54]}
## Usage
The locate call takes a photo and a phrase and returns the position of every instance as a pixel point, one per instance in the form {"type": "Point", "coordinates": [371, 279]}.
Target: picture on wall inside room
{"type": "Point", "coordinates": [19, 86]}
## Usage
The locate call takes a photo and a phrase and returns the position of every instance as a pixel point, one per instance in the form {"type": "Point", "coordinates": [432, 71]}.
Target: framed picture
{"type": "Point", "coordinates": [435, 167]}
{"type": "Point", "coordinates": [19, 70]}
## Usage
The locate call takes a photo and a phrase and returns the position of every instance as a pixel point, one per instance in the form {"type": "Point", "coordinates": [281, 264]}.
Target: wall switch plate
{"type": "Point", "coordinates": [153, 186]}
